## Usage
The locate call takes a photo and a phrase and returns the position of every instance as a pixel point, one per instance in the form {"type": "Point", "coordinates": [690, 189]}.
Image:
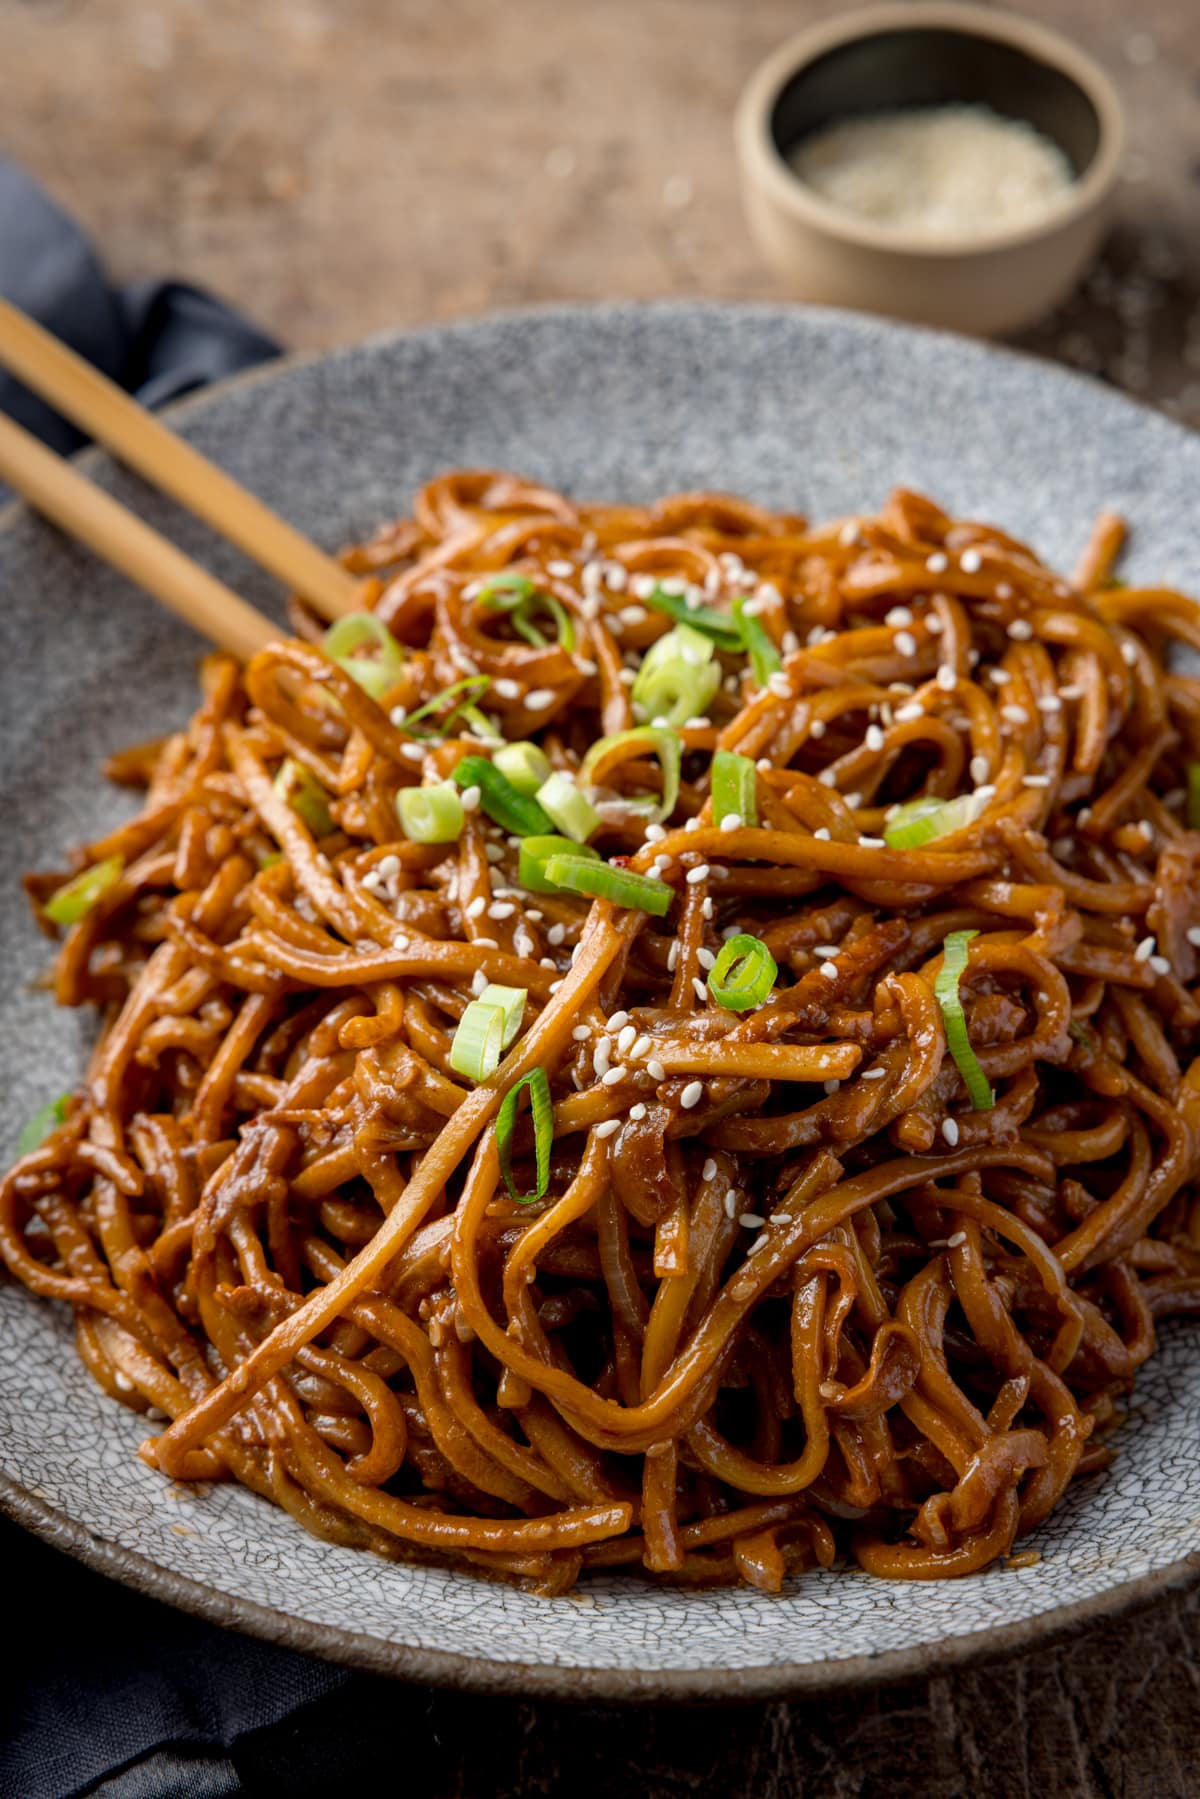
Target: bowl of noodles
{"type": "Point", "coordinates": [625, 1121]}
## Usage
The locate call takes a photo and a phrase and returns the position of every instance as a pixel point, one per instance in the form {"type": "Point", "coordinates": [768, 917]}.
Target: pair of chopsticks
{"type": "Point", "coordinates": [57, 489]}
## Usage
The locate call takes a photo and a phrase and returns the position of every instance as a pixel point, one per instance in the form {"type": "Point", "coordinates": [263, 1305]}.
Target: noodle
{"type": "Point", "coordinates": [860, 1256]}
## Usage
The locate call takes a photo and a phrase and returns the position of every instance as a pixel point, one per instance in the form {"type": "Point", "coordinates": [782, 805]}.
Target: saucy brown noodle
{"type": "Point", "coordinates": [824, 1305]}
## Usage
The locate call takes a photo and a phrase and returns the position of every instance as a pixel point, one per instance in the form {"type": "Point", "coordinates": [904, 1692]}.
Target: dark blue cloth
{"type": "Point", "coordinates": [107, 1690]}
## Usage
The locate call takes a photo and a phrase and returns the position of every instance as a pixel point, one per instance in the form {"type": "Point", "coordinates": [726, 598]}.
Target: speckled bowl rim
{"type": "Point", "coordinates": [763, 164]}
{"type": "Point", "coordinates": [588, 1685]}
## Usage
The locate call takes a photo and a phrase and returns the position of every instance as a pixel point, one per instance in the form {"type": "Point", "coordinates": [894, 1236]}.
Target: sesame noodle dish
{"type": "Point", "coordinates": [664, 1043]}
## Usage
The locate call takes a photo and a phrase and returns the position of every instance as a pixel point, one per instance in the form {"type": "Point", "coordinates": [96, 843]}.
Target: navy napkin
{"type": "Point", "coordinates": [111, 1693]}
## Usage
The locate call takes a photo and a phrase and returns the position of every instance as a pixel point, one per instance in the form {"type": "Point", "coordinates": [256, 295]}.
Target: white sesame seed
{"type": "Point", "coordinates": [693, 824]}
{"type": "Point", "coordinates": [641, 1046]}
{"type": "Point", "coordinates": [1003, 591]}
{"type": "Point", "coordinates": [626, 1038]}
{"type": "Point", "coordinates": [970, 562]}
{"type": "Point", "coordinates": [950, 1131]}
{"type": "Point", "coordinates": [539, 699]}
{"type": "Point", "coordinates": [753, 1221]}
{"type": "Point", "coordinates": [1082, 816]}
{"type": "Point", "coordinates": [614, 1075]}
{"type": "Point", "coordinates": [957, 1240]}
{"type": "Point", "coordinates": [401, 941]}
{"type": "Point", "coordinates": [507, 689]}
{"type": "Point", "coordinates": [500, 910]}
{"type": "Point", "coordinates": [985, 793]}
{"type": "Point", "coordinates": [608, 1127]}
{"type": "Point", "coordinates": [1035, 780]}
{"type": "Point", "coordinates": [495, 854]}
{"type": "Point", "coordinates": [699, 723]}
{"type": "Point", "coordinates": [581, 1032]}
{"type": "Point", "coordinates": [732, 821]}
{"type": "Point", "coordinates": [490, 943]}
{"type": "Point", "coordinates": [1071, 692]}
{"type": "Point", "coordinates": [471, 797]}
{"type": "Point", "coordinates": [555, 934]}
{"type": "Point", "coordinates": [1160, 965]}
{"type": "Point", "coordinates": [548, 962]}
{"type": "Point", "coordinates": [827, 778]}
{"type": "Point", "coordinates": [1049, 703]}
{"type": "Point", "coordinates": [616, 578]}
{"type": "Point", "coordinates": [389, 866]}
{"type": "Point", "coordinates": [415, 752]}
{"type": "Point", "coordinates": [849, 534]}
{"type": "Point", "coordinates": [823, 833]}
{"type": "Point", "coordinates": [705, 958]}
{"type": "Point", "coordinates": [872, 843]}
{"type": "Point", "coordinates": [398, 714]}
{"type": "Point", "coordinates": [904, 643]}
{"type": "Point", "coordinates": [632, 615]}
{"type": "Point", "coordinates": [602, 1055]}
{"type": "Point", "coordinates": [831, 1087]}
{"type": "Point", "coordinates": [706, 906]}
{"type": "Point", "coordinates": [692, 1094]}
{"type": "Point", "coordinates": [898, 617]}
{"type": "Point", "coordinates": [708, 1172]}
{"type": "Point", "coordinates": [933, 624]}
{"type": "Point", "coordinates": [937, 563]}
{"type": "Point", "coordinates": [829, 970]}
{"type": "Point", "coordinates": [1000, 676]}
{"type": "Point", "coordinates": [643, 586]}
{"type": "Point", "coordinates": [673, 958]}
{"type": "Point", "coordinates": [477, 907]}
{"type": "Point", "coordinates": [906, 715]}
{"type": "Point", "coordinates": [789, 643]}
{"type": "Point", "coordinates": [637, 1112]}
{"type": "Point", "coordinates": [731, 1203]}
{"type": "Point", "coordinates": [656, 1071]}
{"type": "Point", "coordinates": [1145, 950]}
{"type": "Point", "coordinates": [817, 728]}
{"type": "Point", "coordinates": [655, 833]}
{"type": "Point", "coordinates": [562, 571]}
{"type": "Point", "coordinates": [780, 684]}
{"type": "Point", "coordinates": [947, 677]}
{"type": "Point", "coordinates": [873, 1074]}
{"type": "Point", "coordinates": [696, 875]}
{"type": "Point", "coordinates": [873, 738]}
{"type": "Point", "coordinates": [478, 982]}
{"type": "Point", "coordinates": [1129, 655]}
{"type": "Point", "coordinates": [980, 768]}
{"type": "Point", "coordinates": [1015, 715]}
{"type": "Point", "coordinates": [825, 949]}
{"type": "Point", "coordinates": [699, 989]}
{"type": "Point", "coordinates": [1193, 936]}
{"type": "Point", "coordinates": [618, 1021]}
{"type": "Point", "coordinates": [1020, 630]}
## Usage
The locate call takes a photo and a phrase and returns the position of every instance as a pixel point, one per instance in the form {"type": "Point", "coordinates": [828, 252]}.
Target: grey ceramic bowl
{"type": "Point", "coordinates": [801, 410]}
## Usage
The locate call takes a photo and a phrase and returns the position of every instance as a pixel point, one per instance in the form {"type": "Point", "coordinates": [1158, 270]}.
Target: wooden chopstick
{"type": "Point", "coordinates": [57, 489]}
{"type": "Point", "coordinates": [105, 412]}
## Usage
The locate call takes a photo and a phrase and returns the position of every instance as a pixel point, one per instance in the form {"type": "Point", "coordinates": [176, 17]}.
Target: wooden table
{"type": "Point", "coordinates": [336, 167]}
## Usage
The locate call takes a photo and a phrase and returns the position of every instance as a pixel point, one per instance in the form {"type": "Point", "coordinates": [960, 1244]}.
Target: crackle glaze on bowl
{"type": "Point", "coordinates": [812, 411]}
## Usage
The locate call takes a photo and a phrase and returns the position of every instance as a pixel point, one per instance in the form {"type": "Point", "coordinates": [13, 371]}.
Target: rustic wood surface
{"type": "Point", "coordinates": [336, 167]}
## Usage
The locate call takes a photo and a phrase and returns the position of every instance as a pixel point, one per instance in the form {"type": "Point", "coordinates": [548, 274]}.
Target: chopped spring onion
{"type": "Point", "coordinates": [722, 629]}
{"type": "Point", "coordinates": [430, 814]}
{"type": "Point", "coordinates": [683, 644]}
{"type": "Point", "coordinates": [920, 821]}
{"type": "Point", "coordinates": [511, 810]}
{"type": "Point", "coordinates": [537, 851]}
{"type": "Point", "coordinates": [673, 684]}
{"type": "Point", "coordinates": [38, 1128]}
{"type": "Point", "coordinates": [605, 755]}
{"type": "Point", "coordinates": [522, 600]}
{"type": "Point", "coordinates": [362, 645]}
{"type": "Point", "coordinates": [75, 899]}
{"type": "Point", "coordinates": [743, 974]}
{"type": "Point", "coordinates": [524, 764]}
{"type": "Point", "coordinates": [758, 643]}
{"type": "Point", "coordinates": [945, 990]}
{"type": "Point", "coordinates": [305, 795]}
{"type": "Point", "coordinates": [479, 1041]}
{"type": "Point", "coordinates": [472, 688]}
{"type": "Point", "coordinates": [511, 1001]}
{"type": "Point", "coordinates": [541, 1107]}
{"type": "Point", "coordinates": [734, 788]}
{"type": "Point", "coordinates": [569, 809]}
{"type": "Point", "coordinates": [599, 880]}
{"type": "Point", "coordinates": [1193, 796]}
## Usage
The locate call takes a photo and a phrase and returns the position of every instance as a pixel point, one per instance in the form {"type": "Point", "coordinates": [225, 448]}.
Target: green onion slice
{"type": "Point", "coordinates": [46, 1119]}
{"type": "Point", "coordinates": [524, 764]}
{"type": "Point", "coordinates": [674, 688]}
{"type": "Point", "coordinates": [743, 974]}
{"type": "Point", "coordinates": [479, 1041]}
{"type": "Point", "coordinates": [920, 821]}
{"type": "Point", "coordinates": [541, 1107]}
{"type": "Point", "coordinates": [758, 643]}
{"type": "Point", "coordinates": [537, 851]}
{"type": "Point", "coordinates": [722, 629]}
{"type": "Point", "coordinates": [945, 989]}
{"type": "Point", "coordinates": [511, 1001]}
{"type": "Point", "coordinates": [599, 880]}
{"type": "Point", "coordinates": [512, 811]}
{"type": "Point", "coordinates": [570, 810]}
{"type": "Point", "coordinates": [305, 795]}
{"type": "Point", "coordinates": [362, 645]}
{"type": "Point", "coordinates": [683, 644]}
{"type": "Point", "coordinates": [470, 689]}
{"type": "Point", "coordinates": [734, 788]}
{"type": "Point", "coordinates": [522, 600]}
{"type": "Point", "coordinates": [1193, 796]}
{"type": "Point", "coordinates": [604, 756]}
{"type": "Point", "coordinates": [431, 814]}
{"type": "Point", "coordinates": [75, 899]}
